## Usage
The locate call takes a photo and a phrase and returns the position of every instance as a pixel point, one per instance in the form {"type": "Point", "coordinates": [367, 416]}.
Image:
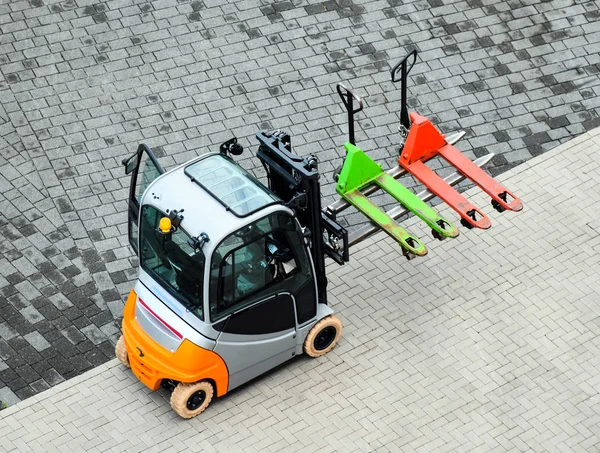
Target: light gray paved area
{"type": "Point", "coordinates": [82, 82]}
{"type": "Point", "coordinates": [489, 344]}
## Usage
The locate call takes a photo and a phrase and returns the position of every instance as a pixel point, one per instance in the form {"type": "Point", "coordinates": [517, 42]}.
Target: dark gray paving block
{"type": "Point", "coordinates": [39, 386]}
{"type": "Point", "coordinates": [52, 377]}
{"type": "Point", "coordinates": [73, 334]}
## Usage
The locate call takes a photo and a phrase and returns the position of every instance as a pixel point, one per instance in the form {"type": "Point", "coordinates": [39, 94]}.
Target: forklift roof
{"type": "Point", "coordinates": [203, 211]}
{"type": "Point", "coordinates": [229, 184]}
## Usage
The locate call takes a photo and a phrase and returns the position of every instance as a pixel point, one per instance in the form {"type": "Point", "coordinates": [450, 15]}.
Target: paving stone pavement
{"type": "Point", "coordinates": [489, 344]}
{"type": "Point", "coordinates": [82, 82]}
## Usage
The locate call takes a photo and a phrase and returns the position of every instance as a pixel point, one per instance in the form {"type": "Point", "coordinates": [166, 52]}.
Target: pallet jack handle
{"type": "Point", "coordinates": [399, 74]}
{"type": "Point", "coordinates": [348, 97]}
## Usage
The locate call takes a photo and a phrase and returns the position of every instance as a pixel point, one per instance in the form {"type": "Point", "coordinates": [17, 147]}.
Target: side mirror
{"type": "Point", "coordinates": [130, 163]}
{"type": "Point", "coordinates": [232, 147]}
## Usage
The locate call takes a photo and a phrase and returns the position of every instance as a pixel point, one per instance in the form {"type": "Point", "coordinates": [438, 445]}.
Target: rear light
{"type": "Point", "coordinates": [162, 321]}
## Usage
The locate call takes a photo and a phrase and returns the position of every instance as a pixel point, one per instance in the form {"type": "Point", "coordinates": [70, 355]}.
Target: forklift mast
{"type": "Point", "coordinates": [295, 180]}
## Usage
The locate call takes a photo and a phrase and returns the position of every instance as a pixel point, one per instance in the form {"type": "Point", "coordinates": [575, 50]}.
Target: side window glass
{"type": "Point", "coordinates": [171, 261]}
{"type": "Point", "coordinates": [148, 172]}
{"type": "Point", "coordinates": [133, 232]}
{"type": "Point", "coordinates": [252, 262]}
{"type": "Point", "coordinates": [143, 168]}
{"type": "Point", "coordinates": [250, 269]}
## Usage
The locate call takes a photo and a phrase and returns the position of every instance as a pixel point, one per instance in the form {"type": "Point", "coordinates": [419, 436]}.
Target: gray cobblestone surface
{"type": "Point", "coordinates": [83, 82]}
{"type": "Point", "coordinates": [489, 344]}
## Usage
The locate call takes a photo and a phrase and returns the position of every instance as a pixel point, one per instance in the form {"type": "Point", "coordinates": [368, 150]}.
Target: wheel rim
{"type": "Point", "coordinates": [325, 338]}
{"type": "Point", "coordinates": [196, 400]}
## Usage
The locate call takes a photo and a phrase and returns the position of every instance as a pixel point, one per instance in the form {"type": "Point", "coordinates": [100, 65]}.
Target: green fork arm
{"type": "Point", "coordinates": [417, 206]}
{"type": "Point", "coordinates": [409, 242]}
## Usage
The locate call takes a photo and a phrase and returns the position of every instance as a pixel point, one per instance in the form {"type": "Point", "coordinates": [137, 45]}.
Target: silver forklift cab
{"type": "Point", "coordinates": [236, 272]}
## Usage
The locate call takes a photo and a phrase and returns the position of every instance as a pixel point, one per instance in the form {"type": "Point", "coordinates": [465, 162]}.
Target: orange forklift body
{"type": "Point", "coordinates": [151, 363]}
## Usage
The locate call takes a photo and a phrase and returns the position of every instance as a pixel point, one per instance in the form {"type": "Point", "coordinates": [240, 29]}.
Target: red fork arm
{"type": "Point", "coordinates": [451, 197]}
{"type": "Point", "coordinates": [488, 184]}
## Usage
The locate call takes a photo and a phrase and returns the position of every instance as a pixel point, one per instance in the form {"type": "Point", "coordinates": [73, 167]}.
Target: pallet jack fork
{"type": "Point", "coordinates": [424, 141]}
{"type": "Point", "coordinates": [360, 172]}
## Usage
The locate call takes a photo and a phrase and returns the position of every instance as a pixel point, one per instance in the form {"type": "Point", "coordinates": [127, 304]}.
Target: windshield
{"type": "Point", "coordinates": [171, 261]}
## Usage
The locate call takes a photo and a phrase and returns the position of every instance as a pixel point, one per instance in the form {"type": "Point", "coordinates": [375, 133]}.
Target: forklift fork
{"type": "Point", "coordinates": [424, 141]}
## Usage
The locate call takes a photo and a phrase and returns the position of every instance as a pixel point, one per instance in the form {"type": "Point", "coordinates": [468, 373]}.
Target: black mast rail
{"type": "Point", "coordinates": [295, 180]}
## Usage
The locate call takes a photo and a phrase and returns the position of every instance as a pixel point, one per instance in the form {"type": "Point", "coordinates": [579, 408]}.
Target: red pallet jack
{"type": "Point", "coordinates": [424, 142]}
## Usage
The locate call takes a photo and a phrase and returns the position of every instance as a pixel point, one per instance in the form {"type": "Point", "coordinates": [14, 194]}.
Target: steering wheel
{"type": "Point", "coordinates": [276, 255]}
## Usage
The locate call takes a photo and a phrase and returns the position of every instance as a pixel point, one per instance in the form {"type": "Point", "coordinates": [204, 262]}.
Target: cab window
{"type": "Point", "coordinates": [171, 261]}
{"type": "Point", "coordinates": [261, 259]}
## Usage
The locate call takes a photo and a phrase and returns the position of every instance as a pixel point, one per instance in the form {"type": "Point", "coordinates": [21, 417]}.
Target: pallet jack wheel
{"type": "Point", "coordinates": [436, 235]}
{"type": "Point", "coordinates": [323, 336]}
{"type": "Point", "coordinates": [121, 352]}
{"type": "Point", "coordinates": [337, 172]}
{"type": "Point", "coordinates": [189, 400]}
{"type": "Point", "coordinates": [498, 207]}
{"type": "Point", "coordinates": [466, 224]}
{"type": "Point", "coordinates": [409, 256]}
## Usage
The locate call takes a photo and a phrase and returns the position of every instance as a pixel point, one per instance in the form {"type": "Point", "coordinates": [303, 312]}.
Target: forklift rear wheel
{"type": "Point", "coordinates": [189, 400]}
{"type": "Point", "coordinates": [323, 336]}
{"type": "Point", "coordinates": [121, 352]}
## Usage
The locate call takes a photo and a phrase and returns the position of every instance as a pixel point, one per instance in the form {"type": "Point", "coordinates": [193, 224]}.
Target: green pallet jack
{"type": "Point", "coordinates": [359, 172]}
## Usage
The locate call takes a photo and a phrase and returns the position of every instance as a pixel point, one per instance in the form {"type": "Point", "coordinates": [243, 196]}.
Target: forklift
{"type": "Point", "coordinates": [232, 278]}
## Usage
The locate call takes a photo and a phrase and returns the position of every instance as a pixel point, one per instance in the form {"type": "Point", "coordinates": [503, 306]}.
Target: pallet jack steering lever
{"type": "Point", "coordinates": [399, 74]}
{"type": "Point", "coordinates": [348, 97]}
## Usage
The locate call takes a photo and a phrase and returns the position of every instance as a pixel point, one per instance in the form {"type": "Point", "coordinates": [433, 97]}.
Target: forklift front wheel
{"type": "Point", "coordinates": [189, 400]}
{"type": "Point", "coordinates": [121, 352]}
{"type": "Point", "coordinates": [323, 336]}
